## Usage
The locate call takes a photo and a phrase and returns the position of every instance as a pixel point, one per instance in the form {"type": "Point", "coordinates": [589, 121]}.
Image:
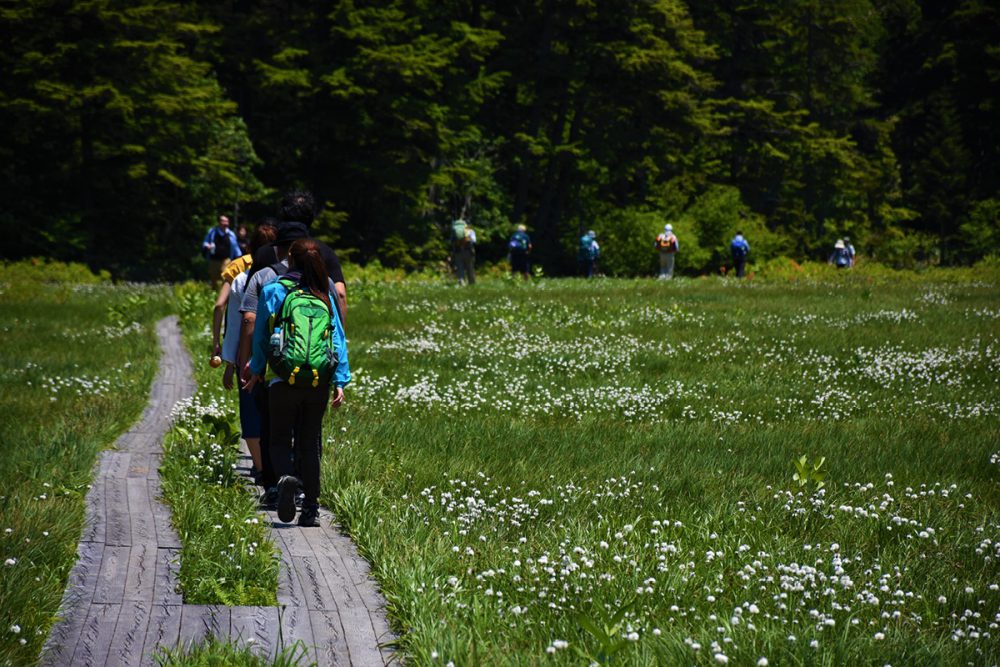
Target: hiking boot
{"type": "Point", "coordinates": [309, 516]}
{"type": "Point", "coordinates": [269, 499]}
{"type": "Point", "coordinates": [287, 486]}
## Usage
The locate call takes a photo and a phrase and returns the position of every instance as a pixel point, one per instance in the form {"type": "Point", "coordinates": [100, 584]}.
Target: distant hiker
{"type": "Point", "coordinates": [840, 257]}
{"type": "Point", "coordinates": [463, 251]}
{"type": "Point", "coordinates": [230, 299]}
{"type": "Point", "coordinates": [243, 238]}
{"type": "Point", "coordinates": [666, 244]}
{"type": "Point", "coordinates": [739, 248]}
{"type": "Point", "coordinates": [298, 342]}
{"type": "Point", "coordinates": [850, 252]}
{"type": "Point", "coordinates": [219, 247]}
{"type": "Point", "coordinates": [520, 252]}
{"type": "Point", "coordinates": [588, 254]}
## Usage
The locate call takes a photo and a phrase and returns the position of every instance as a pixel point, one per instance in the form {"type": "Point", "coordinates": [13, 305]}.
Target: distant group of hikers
{"type": "Point", "coordinates": [463, 256]}
{"type": "Point", "coordinates": [278, 327]}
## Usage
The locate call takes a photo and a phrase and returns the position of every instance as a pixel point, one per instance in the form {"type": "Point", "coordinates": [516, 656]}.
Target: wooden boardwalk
{"type": "Point", "coordinates": [121, 602]}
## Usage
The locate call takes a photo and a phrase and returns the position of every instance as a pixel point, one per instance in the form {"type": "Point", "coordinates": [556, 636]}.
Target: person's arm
{"type": "Point", "coordinates": [208, 238]}
{"type": "Point", "coordinates": [249, 311]}
{"type": "Point", "coordinates": [342, 374]}
{"type": "Point", "coordinates": [341, 291]}
{"type": "Point", "coordinates": [220, 312]}
{"type": "Point", "coordinates": [234, 246]}
{"type": "Point", "coordinates": [258, 358]}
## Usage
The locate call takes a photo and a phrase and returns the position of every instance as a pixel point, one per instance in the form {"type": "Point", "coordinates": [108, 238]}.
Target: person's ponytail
{"type": "Point", "coordinates": [304, 256]}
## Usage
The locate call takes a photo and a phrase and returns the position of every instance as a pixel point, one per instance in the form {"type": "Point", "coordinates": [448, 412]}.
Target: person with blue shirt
{"type": "Point", "coordinates": [739, 248]}
{"type": "Point", "coordinates": [296, 409]}
{"type": "Point", "coordinates": [588, 254]}
{"type": "Point", "coordinates": [220, 247]}
{"type": "Point", "coordinates": [520, 251]}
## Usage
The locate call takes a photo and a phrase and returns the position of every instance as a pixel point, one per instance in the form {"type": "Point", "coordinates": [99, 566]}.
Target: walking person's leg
{"type": "Point", "coordinates": [669, 265]}
{"type": "Point", "coordinates": [470, 267]}
{"type": "Point", "coordinates": [261, 394]}
{"type": "Point", "coordinates": [663, 264]}
{"type": "Point", "coordinates": [284, 403]}
{"type": "Point", "coordinates": [308, 440]}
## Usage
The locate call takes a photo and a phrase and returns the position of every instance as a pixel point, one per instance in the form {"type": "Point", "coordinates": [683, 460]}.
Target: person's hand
{"type": "Point", "coordinates": [245, 375]}
{"type": "Point", "coordinates": [337, 397]}
{"type": "Point", "coordinates": [252, 382]}
{"type": "Point", "coordinates": [216, 349]}
{"type": "Point", "coordinates": [227, 377]}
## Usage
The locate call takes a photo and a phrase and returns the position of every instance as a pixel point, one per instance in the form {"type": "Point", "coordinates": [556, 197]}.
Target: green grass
{"type": "Point", "coordinates": [609, 464]}
{"type": "Point", "coordinates": [227, 556]}
{"type": "Point", "coordinates": [74, 374]}
{"type": "Point", "coordinates": [216, 653]}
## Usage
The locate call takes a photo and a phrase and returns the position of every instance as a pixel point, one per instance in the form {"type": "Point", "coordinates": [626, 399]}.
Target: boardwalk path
{"type": "Point", "coordinates": [121, 602]}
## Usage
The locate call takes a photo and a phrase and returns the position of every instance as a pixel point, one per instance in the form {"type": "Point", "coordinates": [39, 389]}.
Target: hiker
{"type": "Point", "coordinates": [298, 341]}
{"type": "Point", "coordinates": [298, 207]}
{"type": "Point", "coordinates": [296, 211]}
{"type": "Point", "coordinates": [463, 251]}
{"type": "Point", "coordinates": [739, 248]}
{"type": "Point", "coordinates": [520, 251]}
{"type": "Point", "coordinates": [850, 252]}
{"type": "Point", "coordinates": [228, 302]}
{"type": "Point", "coordinates": [219, 247]}
{"type": "Point", "coordinates": [840, 257]}
{"type": "Point", "coordinates": [666, 244]}
{"type": "Point", "coordinates": [588, 254]}
{"type": "Point", "coordinates": [243, 238]}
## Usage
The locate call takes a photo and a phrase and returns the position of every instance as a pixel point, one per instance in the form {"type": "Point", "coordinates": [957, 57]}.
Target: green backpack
{"type": "Point", "coordinates": [302, 338]}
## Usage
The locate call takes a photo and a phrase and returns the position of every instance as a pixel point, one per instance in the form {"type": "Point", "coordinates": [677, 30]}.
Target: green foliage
{"type": "Point", "coordinates": [217, 653]}
{"type": "Point", "coordinates": [981, 230]}
{"type": "Point", "coordinates": [809, 474]}
{"type": "Point", "coordinates": [606, 634]}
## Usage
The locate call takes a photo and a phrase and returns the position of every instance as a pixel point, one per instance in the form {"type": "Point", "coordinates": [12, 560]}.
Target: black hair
{"type": "Point", "coordinates": [739, 233]}
{"type": "Point", "coordinates": [297, 206]}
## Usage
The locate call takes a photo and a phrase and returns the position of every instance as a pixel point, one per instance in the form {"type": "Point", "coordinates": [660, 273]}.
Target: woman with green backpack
{"type": "Point", "coordinates": [300, 350]}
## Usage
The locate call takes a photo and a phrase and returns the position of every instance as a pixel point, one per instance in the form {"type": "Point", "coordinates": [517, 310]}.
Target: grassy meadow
{"type": "Point", "coordinates": [76, 353]}
{"type": "Point", "coordinates": [565, 471]}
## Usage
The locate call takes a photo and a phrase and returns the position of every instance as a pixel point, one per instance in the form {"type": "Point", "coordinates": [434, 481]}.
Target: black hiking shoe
{"type": "Point", "coordinates": [309, 516]}
{"type": "Point", "coordinates": [287, 486]}
{"type": "Point", "coordinates": [269, 499]}
{"type": "Point", "coordinates": [300, 498]}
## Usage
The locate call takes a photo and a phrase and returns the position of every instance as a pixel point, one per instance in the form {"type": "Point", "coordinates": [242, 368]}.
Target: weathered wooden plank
{"type": "Point", "coordinates": [165, 578]}
{"type": "Point", "coordinates": [130, 634]}
{"type": "Point", "coordinates": [95, 521]}
{"type": "Point", "coordinates": [141, 521]}
{"type": "Point", "coordinates": [317, 591]}
{"type": "Point", "coordinates": [76, 600]}
{"type": "Point", "coordinates": [344, 591]}
{"type": "Point", "coordinates": [293, 537]}
{"type": "Point", "coordinates": [118, 531]}
{"type": "Point", "coordinates": [140, 580]}
{"type": "Point", "coordinates": [328, 635]}
{"type": "Point", "coordinates": [139, 462]}
{"type": "Point", "coordinates": [254, 627]}
{"type": "Point", "coordinates": [199, 622]}
{"type": "Point", "coordinates": [98, 630]}
{"type": "Point", "coordinates": [166, 536]}
{"type": "Point", "coordinates": [163, 631]}
{"type": "Point", "coordinates": [290, 591]}
{"type": "Point", "coordinates": [361, 641]}
{"type": "Point", "coordinates": [294, 626]}
{"type": "Point", "coordinates": [111, 579]}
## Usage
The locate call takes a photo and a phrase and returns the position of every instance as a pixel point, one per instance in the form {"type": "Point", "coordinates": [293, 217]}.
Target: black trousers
{"type": "Point", "coordinates": [267, 476]}
{"type": "Point", "coordinates": [296, 423]}
{"type": "Point", "coordinates": [741, 266]}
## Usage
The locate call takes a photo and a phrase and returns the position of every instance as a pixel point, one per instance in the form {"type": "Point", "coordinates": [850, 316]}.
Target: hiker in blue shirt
{"type": "Point", "coordinates": [850, 252]}
{"type": "Point", "coordinates": [220, 247]}
{"type": "Point", "coordinates": [588, 254]}
{"type": "Point", "coordinates": [520, 251]}
{"type": "Point", "coordinates": [841, 257]}
{"type": "Point", "coordinates": [739, 248]}
{"type": "Point", "coordinates": [296, 409]}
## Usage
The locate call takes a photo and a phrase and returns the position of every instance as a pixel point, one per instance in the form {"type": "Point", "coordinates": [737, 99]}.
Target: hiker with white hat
{"type": "Point", "coordinates": [666, 244]}
{"type": "Point", "coordinates": [840, 258]}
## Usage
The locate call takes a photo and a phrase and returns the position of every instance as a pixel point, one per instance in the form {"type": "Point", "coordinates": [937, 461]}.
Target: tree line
{"type": "Point", "coordinates": [129, 126]}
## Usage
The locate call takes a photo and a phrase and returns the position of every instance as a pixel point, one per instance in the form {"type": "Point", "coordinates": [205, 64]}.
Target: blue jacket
{"type": "Point", "coordinates": [272, 296]}
{"type": "Point", "coordinates": [234, 244]}
{"type": "Point", "coordinates": [739, 246]}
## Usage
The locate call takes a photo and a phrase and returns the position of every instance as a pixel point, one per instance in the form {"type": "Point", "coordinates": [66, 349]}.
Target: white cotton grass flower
{"type": "Point", "coordinates": [16, 629]}
{"type": "Point", "coordinates": [762, 662]}
{"type": "Point", "coordinates": [721, 658]}
{"type": "Point", "coordinates": [10, 561]}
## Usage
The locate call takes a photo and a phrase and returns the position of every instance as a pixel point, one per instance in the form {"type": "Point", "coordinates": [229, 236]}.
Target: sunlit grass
{"type": "Point", "coordinates": [76, 362]}
{"type": "Point", "coordinates": [522, 463]}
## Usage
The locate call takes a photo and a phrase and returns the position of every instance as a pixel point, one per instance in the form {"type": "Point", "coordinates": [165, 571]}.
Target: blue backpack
{"type": "Point", "coordinates": [586, 247]}
{"type": "Point", "coordinates": [738, 248]}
